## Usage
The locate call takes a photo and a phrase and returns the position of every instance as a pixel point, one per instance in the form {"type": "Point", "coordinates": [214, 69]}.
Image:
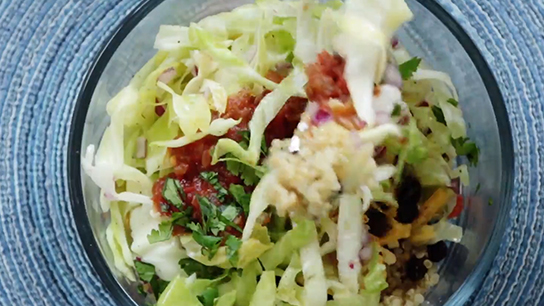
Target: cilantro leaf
{"type": "Point", "coordinates": [173, 192]}
{"type": "Point", "coordinates": [453, 102]}
{"type": "Point", "coordinates": [208, 296]}
{"type": "Point", "coordinates": [250, 175]}
{"type": "Point", "coordinates": [182, 218]}
{"type": "Point", "coordinates": [437, 112]}
{"type": "Point", "coordinates": [212, 178]}
{"type": "Point", "coordinates": [145, 271]}
{"type": "Point", "coordinates": [210, 244]}
{"type": "Point", "coordinates": [228, 215]}
{"type": "Point", "coordinates": [463, 146]}
{"type": "Point", "coordinates": [209, 215]}
{"type": "Point", "coordinates": [233, 245]}
{"type": "Point", "coordinates": [158, 285]}
{"type": "Point", "coordinates": [191, 266]}
{"type": "Point", "coordinates": [162, 234]}
{"type": "Point", "coordinates": [396, 110]}
{"type": "Point", "coordinates": [408, 68]}
{"type": "Point", "coordinates": [141, 290]}
{"type": "Point", "coordinates": [240, 196]}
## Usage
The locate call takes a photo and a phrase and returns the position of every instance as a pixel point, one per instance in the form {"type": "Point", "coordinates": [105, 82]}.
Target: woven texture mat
{"type": "Point", "coordinates": [47, 46]}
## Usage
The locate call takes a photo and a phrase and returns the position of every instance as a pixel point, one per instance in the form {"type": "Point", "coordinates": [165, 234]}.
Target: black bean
{"type": "Point", "coordinates": [407, 214]}
{"type": "Point", "coordinates": [415, 269]}
{"type": "Point", "coordinates": [378, 223]}
{"type": "Point", "coordinates": [408, 194]}
{"type": "Point", "coordinates": [437, 251]}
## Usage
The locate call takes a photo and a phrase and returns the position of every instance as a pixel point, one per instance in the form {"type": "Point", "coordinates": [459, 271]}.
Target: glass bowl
{"type": "Point", "coordinates": [432, 35]}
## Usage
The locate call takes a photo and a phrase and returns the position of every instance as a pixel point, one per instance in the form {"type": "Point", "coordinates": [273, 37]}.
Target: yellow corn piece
{"type": "Point", "coordinates": [432, 206]}
{"type": "Point", "coordinates": [423, 235]}
{"type": "Point", "coordinates": [398, 231]}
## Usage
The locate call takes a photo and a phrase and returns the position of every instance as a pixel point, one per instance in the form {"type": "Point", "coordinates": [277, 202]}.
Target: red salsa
{"type": "Point", "coordinates": [191, 160]}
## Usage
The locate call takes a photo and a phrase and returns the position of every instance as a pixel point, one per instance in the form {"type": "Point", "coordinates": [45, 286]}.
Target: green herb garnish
{"type": "Point", "coordinates": [408, 68]}
{"type": "Point", "coordinates": [439, 114]}
{"type": "Point", "coordinates": [396, 110]}
{"type": "Point", "coordinates": [173, 193]}
{"type": "Point", "coordinates": [241, 197]}
{"type": "Point", "coordinates": [233, 245]}
{"type": "Point", "coordinates": [146, 272]}
{"type": "Point", "coordinates": [212, 178]}
{"type": "Point", "coordinates": [453, 102]}
{"type": "Point", "coordinates": [463, 146]}
{"type": "Point", "coordinates": [191, 266]}
{"type": "Point", "coordinates": [162, 234]}
{"type": "Point", "coordinates": [208, 296]}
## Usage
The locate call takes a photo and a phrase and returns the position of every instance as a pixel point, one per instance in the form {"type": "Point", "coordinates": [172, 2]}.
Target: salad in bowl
{"type": "Point", "coordinates": [284, 153]}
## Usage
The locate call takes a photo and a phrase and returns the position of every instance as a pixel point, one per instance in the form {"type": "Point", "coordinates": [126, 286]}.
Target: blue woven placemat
{"type": "Point", "coordinates": [47, 46]}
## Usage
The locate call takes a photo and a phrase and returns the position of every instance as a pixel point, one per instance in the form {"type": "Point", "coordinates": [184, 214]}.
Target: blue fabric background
{"type": "Point", "coordinates": [47, 46]}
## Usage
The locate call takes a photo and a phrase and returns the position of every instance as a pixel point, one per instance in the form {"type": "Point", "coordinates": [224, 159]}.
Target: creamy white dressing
{"type": "Point", "coordinates": [163, 255]}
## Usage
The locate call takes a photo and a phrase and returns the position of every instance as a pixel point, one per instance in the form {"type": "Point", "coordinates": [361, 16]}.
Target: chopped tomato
{"type": "Point", "coordinates": [458, 208]}
{"type": "Point", "coordinates": [326, 79]}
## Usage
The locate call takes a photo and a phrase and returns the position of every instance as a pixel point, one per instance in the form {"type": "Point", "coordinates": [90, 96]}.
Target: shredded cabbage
{"type": "Point", "coordinates": [294, 239]}
{"type": "Point", "coordinates": [267, 109]}
{"type": "Point", "coordinates": [288, 289]}
{"type": "Point", "coordinates": [315, 284]}
{"type": "Point", "coordinates": [265, 293]}
{"type": "Point", "coordinates": [350, 232]}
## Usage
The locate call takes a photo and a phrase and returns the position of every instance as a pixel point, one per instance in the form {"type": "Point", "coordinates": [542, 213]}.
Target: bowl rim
{"type": "Point", "coordinates": [108, 48]}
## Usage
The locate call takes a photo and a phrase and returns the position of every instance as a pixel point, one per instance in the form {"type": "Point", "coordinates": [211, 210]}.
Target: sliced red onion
{"type": "Point", "coordinates": [394, 42]}
{"type": "Point", "coordinates": [392, 76]}
{"type": "Point", "coordinates": [321, 116]}
{"type": "Point", "coordinates": [167, 75]}
{"type": "Point", "coordinates": [194, 71]}
{"type": "Point", "coordinates": [423, 104]}
{"type": "Point", "coordinates": [159, 109]}
{"type": "Point", "coordinates": [141, 147]}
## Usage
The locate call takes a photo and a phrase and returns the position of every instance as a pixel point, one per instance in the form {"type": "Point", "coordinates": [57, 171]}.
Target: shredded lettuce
{"type": "Point", "coordinates": [257, 206]}
{"type": "Point", "coordinates": [265, 292]}
{"type": "Point", "coordinates": [227, 299]}
{"type": "Point", "coordinates": [350, 232]}
{"type": "Point", "coordinates": [294, 239]}
{"type": "Point", "coordinates": [171, 38]}
{"type": "Point", "coordinates": [179, 293]}
{"type": "Point", "coordinates": [246, 284]}
{"type": "Point", "coordinates": [117, 239]}
{"type": "Point", "coordinates": [315, 283]}
{"type": "Point", "coordinates": [288, 289]}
